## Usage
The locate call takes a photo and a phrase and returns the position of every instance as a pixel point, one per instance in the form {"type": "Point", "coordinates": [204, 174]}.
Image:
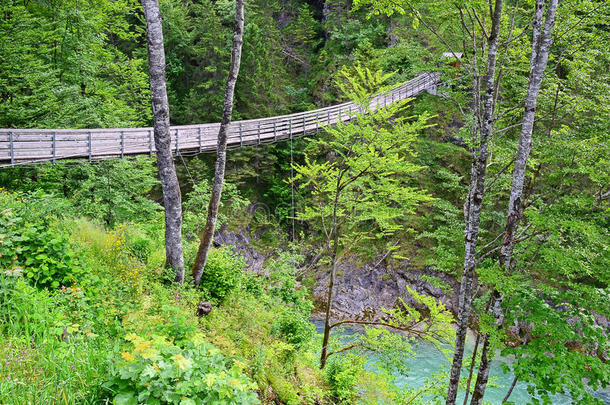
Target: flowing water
{"type": "Point", "coordinates": [429, 360]}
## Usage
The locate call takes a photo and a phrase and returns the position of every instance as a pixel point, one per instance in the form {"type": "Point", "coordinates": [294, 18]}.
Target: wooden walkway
{"type": "Point", "coordinates": [25, 146]}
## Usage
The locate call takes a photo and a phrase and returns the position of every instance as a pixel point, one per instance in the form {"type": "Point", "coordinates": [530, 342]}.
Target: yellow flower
{"type": "Point", "coordinates": [131, 337]}
{"type": "Point", "coordinates": [128, 356]}
{"type": "Point", "coordinates": [181, 361]}
{"type": "Point", "coordinates": [141, 347]}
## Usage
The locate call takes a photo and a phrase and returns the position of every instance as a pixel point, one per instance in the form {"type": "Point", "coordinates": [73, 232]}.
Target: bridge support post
{"type": "Point", "coordinates": [241, 139]}
{"type": "Point", "coordinates": [177, 147]}
{"type": "Point", "coordinates": [258, 133]}
{"type": "Point", "coordinates": [122, 144]}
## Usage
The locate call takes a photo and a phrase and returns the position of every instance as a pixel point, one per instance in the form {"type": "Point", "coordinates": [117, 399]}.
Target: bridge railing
{"type": "Point", "coordinates": [19, 146]}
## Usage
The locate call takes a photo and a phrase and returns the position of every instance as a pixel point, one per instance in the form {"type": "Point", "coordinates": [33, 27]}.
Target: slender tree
{"type": "Point", "coordinates": [172, 199]}
{"type": "Point", "coordinates": [541, 44]}
{"type": "Point", "coordinates": [221, 157]}
{"type": "Point", "coordinates": [484, 123]}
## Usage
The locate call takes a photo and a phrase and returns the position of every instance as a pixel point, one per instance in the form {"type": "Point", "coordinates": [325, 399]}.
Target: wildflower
{"type": "Point", "coordinates": [128, 356]}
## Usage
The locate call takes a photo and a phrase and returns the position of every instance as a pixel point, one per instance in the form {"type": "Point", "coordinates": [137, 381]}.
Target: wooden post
{"type": "Point", "coordinates": [199, 137]}
{"type": "Point", "coordinates": [12, 148]}
{"type": "Point", "coordinates": [89, 144]}
{"type": "Point", "coordinates": [290, 129]}
{"type": "Point", "coordinates": [328, 117]}
{"type": "Point", "coordinates": [274, 131]}
{"type": "Point", "coordinates": [317, 122]}
{"type": "Point", "coordinates": [177, 147]}
{"type": "Point", "coordinates": [303, 125]}
{"type": "Point", "coordinates": [53, 145]}
{"type": "Point", "coordinates": [150, 143]}
{"type": "Point", "coordinates": [122, 144]}
{"type": "Point", "coordinates": [258, 133]}
{"type": "Point", "coordinates": [241, 140]}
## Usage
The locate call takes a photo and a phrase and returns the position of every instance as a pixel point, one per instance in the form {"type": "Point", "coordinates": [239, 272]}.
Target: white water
{"type": "Point", "coordinates": [429, 360]}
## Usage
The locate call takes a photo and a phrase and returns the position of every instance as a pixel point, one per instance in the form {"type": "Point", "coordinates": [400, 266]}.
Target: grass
{"type": "Point", "coordinates": [58, 345]}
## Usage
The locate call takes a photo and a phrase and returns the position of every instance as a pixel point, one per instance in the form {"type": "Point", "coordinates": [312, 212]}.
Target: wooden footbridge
{"type": "Point", "coordinates": [26, 146]}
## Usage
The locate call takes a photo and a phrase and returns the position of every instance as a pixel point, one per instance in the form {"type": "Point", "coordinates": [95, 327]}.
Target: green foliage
{"type": "Point", "coordinates": [195, 206]}
{"type": "Point", "coordinates": [342, 376]}
{"type": "Point", "coordinates": [294, 328]}
{"type": "Point", "coordinates": [148, 371]}
{"type": "Point", "coordinates": [363, 190]}
{"type": "Point", "coordinates": [61, 65]}
{"type": "Point", "coordinates": [30, 244]}
{"type": "Point", "coordinates": [223, 273]}
{"type": "Point", "coordinates": [283, 284]}
{"type": "Point", "coordinates": [111, 191]}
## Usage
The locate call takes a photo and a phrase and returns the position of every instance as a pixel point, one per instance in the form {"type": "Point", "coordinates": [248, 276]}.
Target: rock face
{"type": "Point", "coordinates": [363, 290]}
{"type": "Point", "coordinates": [240, 240]}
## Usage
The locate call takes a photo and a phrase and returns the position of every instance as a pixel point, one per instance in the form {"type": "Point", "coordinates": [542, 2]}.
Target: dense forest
{"type": "Point", "coordinates": [468, 223]}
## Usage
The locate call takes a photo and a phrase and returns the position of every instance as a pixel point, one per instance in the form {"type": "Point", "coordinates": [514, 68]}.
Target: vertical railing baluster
{"type": "Point", "coordinates": [328, 117]}
{"type": "Point", "coordinates": [274, 131]}
{"type": "Point", "coordinates": [89, 145]}
{"type": "Point", "coordinates": [241, 139]}
{"type": "Point", "coordinates": [150, 143]}
{"type": "Point", "coordinates": [122, 145]}
{"type": "Point", "coordinates": [12, 147]}
{"type": "Point", "coordinates": [258, 133]}
{"type": "Point", "coordinates": [177, 147]}
{"type": "Point", "coordinates": [53, 145]}
{"type": "Point", "coordinates": [303, 125]}
{"type": "Point", "coordinates": [317, 122]}
{"type": "Point", "coordinates": [290, 129]}
{"type": "Point", "coordinates": [199, 137]}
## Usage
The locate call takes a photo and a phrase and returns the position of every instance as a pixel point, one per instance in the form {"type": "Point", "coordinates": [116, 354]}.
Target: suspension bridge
{"type": "Point", "coordinates": [27, 146]}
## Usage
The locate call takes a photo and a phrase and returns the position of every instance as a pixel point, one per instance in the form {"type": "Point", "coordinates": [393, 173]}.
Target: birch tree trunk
{"type": "Point", "coordinates": [475, 201]}
{"type": "Point", "coordinates": [541, 44]}
{"type": "Point", "coordinates": [221, 157]}
{"type": "Point", "coordinates": [172, 199]}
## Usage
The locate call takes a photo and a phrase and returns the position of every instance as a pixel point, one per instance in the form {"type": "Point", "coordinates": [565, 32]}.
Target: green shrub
{"type": "Point", "coordinates": [158, 372]}
{"type": "Point", "coordinates": [283, 284]}
{"type": "Point", "coordinates": [342, 374]}
{"type": "Point", "coordinates": [28, 242]}
{"type": "Point", "coordinates": [223, 273]}
{"type": "Point", "coordinates": [294, 328]}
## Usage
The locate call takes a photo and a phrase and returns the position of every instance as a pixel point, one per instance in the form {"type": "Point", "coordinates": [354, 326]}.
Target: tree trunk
{"type": "Point", "coordinates": [210, 226]}
{"type": "Point", "coordinates": [172, 199]}
{"type": "Point", "coordinates": [331, 282]}
{"type": "Point", "coordinates": [541, 44]}
{"type": "Point", "coordinates": [475, 204]}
